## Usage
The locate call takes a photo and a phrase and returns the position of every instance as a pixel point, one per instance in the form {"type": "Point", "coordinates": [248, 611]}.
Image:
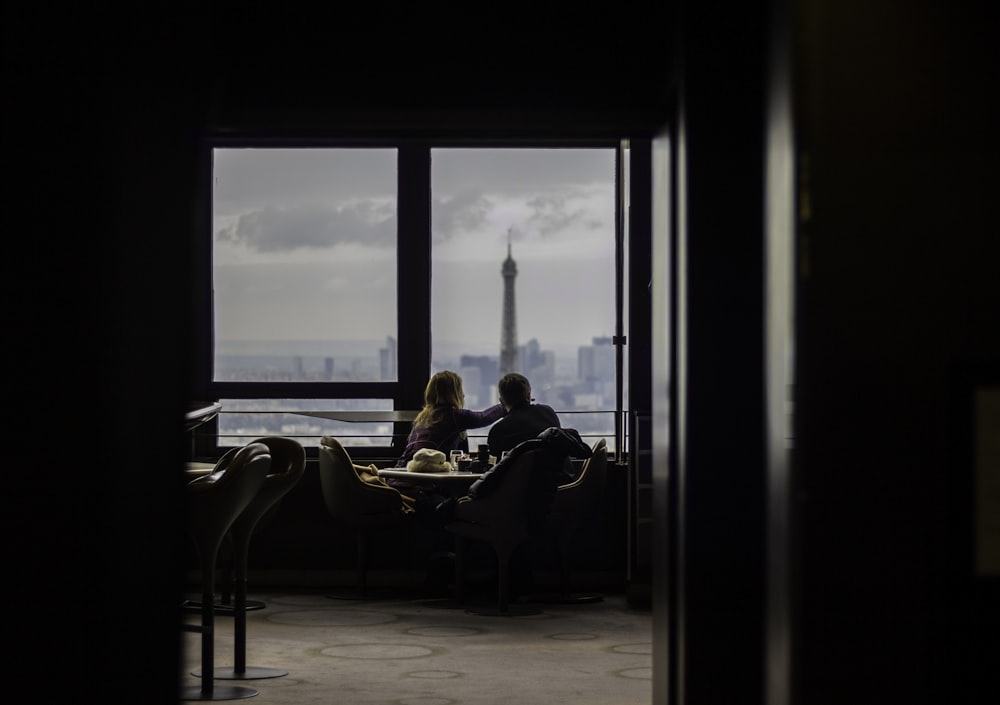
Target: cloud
{"type": "Point", "coordinates": [519, 171]}
{"type": "Point", "coordinates": [464, 212]}
{"type": "Point", "coordinates": [528, 217]}
{"type": "Point", "coordinates": [551, 214]}
{"type": "Point", "coordinates": [284, 228]}
{"type": "Point", "coordinates": [278, 201]}
{"type": "Point", "coordinates": [249, 177]}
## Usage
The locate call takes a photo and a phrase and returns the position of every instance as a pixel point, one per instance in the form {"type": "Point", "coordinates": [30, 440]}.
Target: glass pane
{"type": "Point", "coordinates": [304, 264]}
{"type": "Point", "coordinates": [242, 420]}
{"type": "Point", "coordinates": [523, 258]}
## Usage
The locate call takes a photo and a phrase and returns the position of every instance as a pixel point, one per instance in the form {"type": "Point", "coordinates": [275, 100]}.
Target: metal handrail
{"type": "Point", "coordinates": [345, 419]}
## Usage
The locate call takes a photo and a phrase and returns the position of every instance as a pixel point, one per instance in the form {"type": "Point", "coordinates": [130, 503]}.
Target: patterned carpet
{"type": "Point", "coordinates": [431, 651]}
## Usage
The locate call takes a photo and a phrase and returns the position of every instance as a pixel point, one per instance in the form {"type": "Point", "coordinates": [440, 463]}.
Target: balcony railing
{"type": "Point", "coordinates": [366, 432]}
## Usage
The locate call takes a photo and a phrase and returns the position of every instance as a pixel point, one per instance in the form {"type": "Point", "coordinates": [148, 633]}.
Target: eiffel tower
{"type": "Point", "coordinates": [508, 334]}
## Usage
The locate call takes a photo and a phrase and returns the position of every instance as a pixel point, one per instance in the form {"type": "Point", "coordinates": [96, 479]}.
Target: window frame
{"type": "Point", "coordinates": [413, 305]}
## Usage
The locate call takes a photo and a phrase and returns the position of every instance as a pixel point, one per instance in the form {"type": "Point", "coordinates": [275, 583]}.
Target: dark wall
{"type": "Point", "coordinates": [531, 68]}
{"type": "Point", "coordinates": [98, 152]}
{"type": "Point", "coordinates": [719, 478]}
{"type": "Point", "coordinates": [898, 308]}
{"type": "Point", "coordinates": [896, 315]}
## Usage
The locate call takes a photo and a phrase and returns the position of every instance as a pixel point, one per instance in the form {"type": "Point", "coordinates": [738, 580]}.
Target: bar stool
{"type": "Point", "coordinates": [288, 463]}
{"type": "Point", "coordinates": [213, 503]}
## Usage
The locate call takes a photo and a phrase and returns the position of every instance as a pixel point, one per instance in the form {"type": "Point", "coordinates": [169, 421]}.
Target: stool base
{"type": "Point", "coordinates": [219, 692]}
{"type": "Point", "coordinates": [194, 607]}
{"type": "Point", "coordinates": [511, 611]}
{"type": "Point", "coordinates": [250, 673]}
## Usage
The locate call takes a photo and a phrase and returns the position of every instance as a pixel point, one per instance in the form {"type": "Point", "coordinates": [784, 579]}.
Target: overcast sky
{"type": "Point", "coordinates": [305, 244]}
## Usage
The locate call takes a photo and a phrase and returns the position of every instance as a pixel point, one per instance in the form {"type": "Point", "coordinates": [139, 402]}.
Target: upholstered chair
{"type": "Point", "coordinates": [502, 519]}
{"type": "Point", "coordinates": [358, 506]}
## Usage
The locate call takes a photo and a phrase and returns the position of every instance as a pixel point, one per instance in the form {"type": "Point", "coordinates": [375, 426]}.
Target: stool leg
{"type": "Point", "coordinates": [208, 623]}
{"type": "Point", "coordinates": [207, 690]}
{"type": "Point", "coordinates": [240, 612]}
{"type": "Point", "coordinates": [240, 671]}
{"type": "Point", "coordinates": [226, 586]}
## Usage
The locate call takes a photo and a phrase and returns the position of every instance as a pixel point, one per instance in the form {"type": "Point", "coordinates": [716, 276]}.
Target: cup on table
{"type": "Point", "coordinates": [484, 455]}
{"type": "Point", "coordinates": [455, 455]}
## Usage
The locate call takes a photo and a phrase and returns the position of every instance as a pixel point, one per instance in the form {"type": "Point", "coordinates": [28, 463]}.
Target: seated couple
{"type": "Point", "coordinates": [443, 422]}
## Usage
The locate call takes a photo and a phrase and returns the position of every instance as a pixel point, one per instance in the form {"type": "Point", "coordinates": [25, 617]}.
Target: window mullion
{"type": "Point", "coordinates": [413, 272]}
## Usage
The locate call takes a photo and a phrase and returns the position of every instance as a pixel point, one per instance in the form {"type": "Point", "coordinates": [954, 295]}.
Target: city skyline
{"type": "Point", "coordinates": [584, 386]}
{"type": "Point", "coordinates": [283, 354]}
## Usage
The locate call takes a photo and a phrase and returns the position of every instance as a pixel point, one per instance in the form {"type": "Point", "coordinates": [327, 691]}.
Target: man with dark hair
{"type": "Point", "coordinates": [524, 420]}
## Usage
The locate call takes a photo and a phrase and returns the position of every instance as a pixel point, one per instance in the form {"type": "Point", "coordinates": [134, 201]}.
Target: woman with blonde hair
{"type": "Point", "coordinates": [443, 422]}
{"type": "Point", "coordinates": [441, 425]}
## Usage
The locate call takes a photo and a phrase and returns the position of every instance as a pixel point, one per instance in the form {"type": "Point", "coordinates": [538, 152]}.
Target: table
{"type": "Point", "coordinates": [445, 480]}
{"type": "Point", "coordinates": [455, 484]}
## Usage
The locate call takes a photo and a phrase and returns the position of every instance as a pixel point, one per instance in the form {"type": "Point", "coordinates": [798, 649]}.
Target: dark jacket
{"type": "Point", "coordinates": [521, 423]}
{"type": "Point", "coordinates": [558, 445]}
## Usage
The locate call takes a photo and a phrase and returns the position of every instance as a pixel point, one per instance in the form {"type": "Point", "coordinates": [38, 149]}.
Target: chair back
{"type": "Point", "coordinates": [575, 500]}
{"type": "Point", "coordinates": [217, 499]}
{"type": "Point", "coordinates": [347, 497]}
{"type": "Point", "coordinates": [507, 508]}
{"type": "Point", "coordinates": [288, 464]}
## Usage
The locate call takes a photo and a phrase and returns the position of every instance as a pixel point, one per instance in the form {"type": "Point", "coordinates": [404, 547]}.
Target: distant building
{"type": "Point", "coordinates": [387, 360]}
{"type": "Point", "coordinates": [328, 368]}
{"type": "Point", "coordinates": [539, 366]}
{"type": "Point", "coordinates": [480, 374]}
{"type": "Point", "coordinates": [596, 366]}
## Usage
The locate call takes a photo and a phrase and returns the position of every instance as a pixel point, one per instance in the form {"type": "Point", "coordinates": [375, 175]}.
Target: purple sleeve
{"type": "Point", "coordinates": [466, 419]}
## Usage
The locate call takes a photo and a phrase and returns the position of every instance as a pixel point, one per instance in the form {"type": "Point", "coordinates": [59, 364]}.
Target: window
{"type": "Point", "coordinates": [342, 276]}
{"type": "Point", "coordinates": [523, 246]}
{"type": "Point", "coordinates": [304, 265]}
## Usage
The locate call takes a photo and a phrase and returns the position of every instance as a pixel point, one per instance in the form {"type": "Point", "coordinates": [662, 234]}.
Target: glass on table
{"type": "Point", "coordinates": [456, 455]}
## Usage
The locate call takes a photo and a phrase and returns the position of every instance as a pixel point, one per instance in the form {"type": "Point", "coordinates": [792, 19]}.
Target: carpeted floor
{"type": "Point", "coordinates": [431, 651]}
